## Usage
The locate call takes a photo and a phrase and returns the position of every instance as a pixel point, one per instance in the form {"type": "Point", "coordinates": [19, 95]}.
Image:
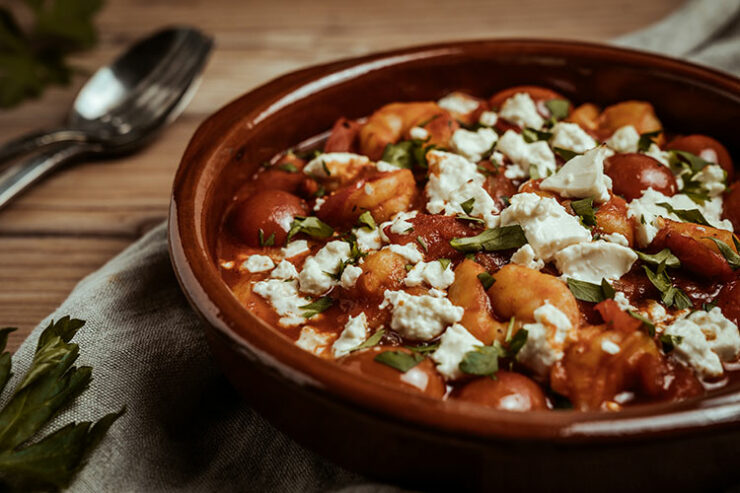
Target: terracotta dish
{"type": "Point", "coordinates": [400, 435]}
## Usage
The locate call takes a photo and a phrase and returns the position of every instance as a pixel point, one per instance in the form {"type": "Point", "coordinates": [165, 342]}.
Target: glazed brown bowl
{"type": "Point", "coordinates": [400, 436]}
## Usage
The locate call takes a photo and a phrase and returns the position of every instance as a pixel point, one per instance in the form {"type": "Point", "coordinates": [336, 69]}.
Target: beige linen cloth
{"type": "Point", "coordinates": [186, 429]}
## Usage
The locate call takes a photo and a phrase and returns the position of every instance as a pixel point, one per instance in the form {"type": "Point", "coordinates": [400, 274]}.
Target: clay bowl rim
{"type": "Point", "coordinates": [202, 284]}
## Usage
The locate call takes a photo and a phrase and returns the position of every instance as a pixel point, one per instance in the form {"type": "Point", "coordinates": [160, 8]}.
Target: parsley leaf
{"type": "Point", "coordinates": [517, 342]}
{"type": "Point", "coordinates": [670, 295]}
{"type": "Point", "coordinates": [533, 135]}
{"type": "Point", "coordinates": [288, 168]}
{"type": "Point", "coordinates": [728, 253]}
{"type": "Point", "coordinates": [646, 140]}
{"type": "Point", "coordinates": [483, 361]}
{"type": "Point", "coordinates": [686, 215]}
{"type": "Point", "coordinates": [314, 308]}
{"type": "Point", "coordinates": [366, 219]}
{"type": "Point", "coordinates": [566, 154]}
{"type": "Point", "coordinates": [422, 243]}
{"type": "Point", "coordinates": [686, 161]}
{"type": "Point", "coordinates": [270, 241]}
{"type": "Point", "coordinates": [444, 262]}
{"type": "Point", "coordinates": [648, 323]}
{"type": "Point", "coordinates": [407, 153]}
{"type": "Point", "coordinates": [558, 108]}
{"type": "Point", "coordinates": [585, 210]}
{"type": "Point", "coordinates": [486, 280]}
{"type": "Point", "coordinates": [593, 293]}
{"type": "Point", "coordinates": [467, 206]}
{"type": "Point", "coordinates": [463, 217]}
{"type": "Point", "coordinates": [52, 382]}
{"type": "Point", "coordinates": [371, 341]}
{"type": "Point", "coordinates": [427, 348]}
{"type": "Point", "coordinates": [399, 360]}
{"type": "Point", "coordinates": [662, 257]}
{"type": "Point", "coordinates": [491, 240]}
{"type": "Point", "coordinates": [312, 226]}
{"type": "Point", "coordinates": [670, 342]}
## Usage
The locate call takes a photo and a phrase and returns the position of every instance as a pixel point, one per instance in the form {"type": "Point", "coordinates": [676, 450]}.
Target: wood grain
{"type": "Point", "coordinates": [73, 222]}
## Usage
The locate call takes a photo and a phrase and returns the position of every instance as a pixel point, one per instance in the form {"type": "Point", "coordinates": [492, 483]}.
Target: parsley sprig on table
{"type": "Point", "coordinates": [28, 462]}
{"type": "Point", "coordinates": [33, 58]}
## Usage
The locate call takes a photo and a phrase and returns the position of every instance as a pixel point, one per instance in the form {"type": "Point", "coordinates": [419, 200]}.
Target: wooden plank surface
{"type": "Point", "coordinates": [73, 222]}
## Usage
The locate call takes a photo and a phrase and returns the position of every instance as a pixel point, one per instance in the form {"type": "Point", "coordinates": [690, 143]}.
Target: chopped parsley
{"type": "Point", "coordinates": [587, 291]}
{"type": "Point", "coordinates": [366, 220]}
{"type": "Point", "coordinates": [646, 140]}
{"type": "Point", "coordinates": [270, 241]}
{"type": "Point", "coordinates": [686, 215]}
{"type": "Point", "coordinates": [486, 280]}
{"type": "Point", "coordinates": [399, 360]}
{"type": "Point", "coordinates": [312, 226]}
{"type": "Point", "coordinates": [585, 210]}
{"type": "Point", "coordinates": [491, 240]}
{"type": "Point", "coordinates": [467, 206]}
{"type": "Point", "coordinates": [662, 257]}
{"type": "Point", "coordinates": [314, 308]}
{"type": "Point", "coordinates": [727, 252]}
{"type": "Point", "coordinates": [558, 108]}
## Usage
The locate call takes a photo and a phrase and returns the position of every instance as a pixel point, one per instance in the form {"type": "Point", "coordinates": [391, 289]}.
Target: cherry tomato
{"type": "Point", "coordinates": [634, 173]}
{"type": "Point", "coordinates": [269, 211]}
{"type": "Point", "coordinates": [423, 377]}
{"type": "Point", "coordinates": [706, 148]}
{"type": "Point", "coordinates": [509, 391]}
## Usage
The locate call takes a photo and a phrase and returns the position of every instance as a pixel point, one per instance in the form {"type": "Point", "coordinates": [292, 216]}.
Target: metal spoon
{"type": "Point", "coordinates": [119, 109]}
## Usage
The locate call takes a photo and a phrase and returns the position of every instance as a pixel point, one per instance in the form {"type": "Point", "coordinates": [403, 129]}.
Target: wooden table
{"type": "Point", "coordinates": [73, 222]}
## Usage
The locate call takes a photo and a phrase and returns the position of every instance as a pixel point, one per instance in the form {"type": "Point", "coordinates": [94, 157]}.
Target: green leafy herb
{"type": "Point", "coordinates": [558, 108]}
{"type": "Point", "coordinates": [429, 120]}
{"type": "Point", "coordinates": [648, 323]}
{"type": "Point", "coordinates": [52, 382]}
{"type": "Point", "coordinates": [670, 342]}
{"type": "Point", "coordinates": [727, 252]}
{"type": "Point", "coordinates": [534, 172]}
{"type": "Point", "coordinates": [670, 295]}
{"type": "Point", "coordinates": [289, 167]}
{"type": "Point", "coordinates": [320, 192]}
{"type": "Point", "coordinates": [686, 215]}
{"type": "Point", "coordinates": [399, 360]}
{"type": "Point", "coordinates": [467, 206]}
{"type": "Point", "coordinates": [422, 243]}
{"type": "Point", "coordinates": [585, 210]}
{"type": "Point", "coordinates": [662, 257]}
{"type": "Point", "coordinates": [486, 280]}
{"type": "Point", "coordinates": [371, 341]}
{"type": "Point", "coordinates": [491, 240]}
{"type": "Point", "coordinates": [366, 219]}
{"type": "Point", "coordinates": [314, 308]}
{"type": "Point", "coordinates": [407, 153]}
{"type": "Point", "coordinates": [685, 161]}
{"type": "Point", "coordinates": [444, 262]}
{"type": "Point", "coordinates": [593, 293]}
{"type": "Point", "coordinates": [646, 140]}
{"type": "Point", "coordinates": [510, 330]}
{"type": "Point", "coordinates": [408, 267]}
{"type": "Point", "coordinates": [517, 342]}
{"type": "Point", "coordinates": [32, 59]}
{"type": "Point", "coordinates": [312, 226]}
{"type": "Point", "coordinates": [566, 154]}
{"type": "Point", "coordinates": [472, 219]}
{"type": "Point", "coordinates": [326, 168]}
{"type": "Point", "coordinates": [709, 306]}
{"type": "Point", "coordinates": [270, 241]}
{"type": "Point", "coordinates": [533, 135]}
{"type": "Point", "coordinates": [483, 361]}
{"type": "Point", "coordinates": [427, 348]}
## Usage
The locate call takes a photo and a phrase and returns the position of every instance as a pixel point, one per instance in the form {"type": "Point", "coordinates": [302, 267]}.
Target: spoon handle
{"type": "Point", "coordinates": [35, 140]}
{"type": "Point", "coordinates": [21, 176]}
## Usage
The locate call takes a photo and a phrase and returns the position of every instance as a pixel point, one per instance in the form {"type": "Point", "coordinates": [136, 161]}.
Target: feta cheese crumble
{"type": "Point", "coordinates": [420, 317]}
{"type": "Point", "coordinates": [295, 248]}
{"type": "Point", "coordinates": [547, 225]}
{"type": "Point", "coordinates": [488, 118]}
{"type": "Point", "coordinates": [368, 239]}
{"type": "Point", "coordinates": [350, 274]}
{"type": "Point", "coordinates": [521, 110]}
{"type": "Point", "coordinates": [712, 179]}
{"type": "Point", "coordinates": [385, 167]}
{"type": "Point", "coordinates": [284, 298]}
{"type": "Point", "coordinates": [258, 263]}
{"type": "Point", "coordinates": [454, 343]}
{"type": "Point", "coordinates": [432, 273]}
{"type": "Point", "coordinates": [581, 177]}
{"type": "Point", "coordinates": [407, 251]}
{"type": "Point", "coordinates": [314, 341]}
{"type": "Point", "coordinates": [354, 334]}
{"type": "Point", "coordinates": [617, 238]}
{"type": "Point", "coordinates": [473, 145]}
{"type": "Point", "coordinates": [621, 300]}
{"type": "Point", "coordinates": [284, 270]}
{"type": "Point", "coordinates": [525, 257]}
{"type": "Point", "coordinates": [594, 261]}
{"type": "Point", "coordinates": [458, 102]}
{"type": "Point", "coordinates": [419, 133]}
{"type": "Point", "coordinates": [624, 139]}
{"type": "Point", "coordinates": [334, 162]}
{"type": "Point", "coordinates": [572, 137]}
{"type": "Point", "coordinates": [316, 276]}
{"type": "Point", "coordinates": [545, 339]}
{"type": "Point", "coordinates": [526, 155]}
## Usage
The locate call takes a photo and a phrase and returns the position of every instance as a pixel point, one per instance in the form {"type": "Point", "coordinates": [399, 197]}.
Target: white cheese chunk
{"type": "Point", "coordinates": [527, 155]}
{"type": "Point", "coordinates": [624, 139]}
{"type": "Point", "coordinates": [419, 133]}
{"type": "Point", "coordinates": [368, 239]}
{"type": "Point", "coordinates": [622, 301]}
{"type": "Point", "coordinates": [594, 261]}
{"type": "Point", "coordinates": [407, 251]}
{"type": "Point", "coordinates": [655, 152]}
{"type": "Point", "coordinates": [316, 276]}
{"type": "Point", "coordinates": [399, 223]}
{"type": "Point", "coordinates": [295, 248]}
{"type": "Point", "coordinates": [610, 347]}
{"type": "Point", "coordinates": [431, 273]}
{"type": "Point", "coordinates": [473, 145]}
{"type": "Point", "coordinates": [581, 177]}
{"type": "Point", "coordinates": [712, 179]}
{"type": "Point", "coordinates": [284, 270]}
{"type": "Point", "coordinates": [546, 224]}
{"type": "Point", "coordinates": [721, 333]}
{"type": "Point", "coordinates": [313, 340]}
{"type": "Point", "coordinates": [545, 339]}
{"type": "Point", "coordinates": [454, 180]}
{"type": "Point", "coordinates": [572, 137]}
{"type": "Point", "coordinates": [354, 334]}
{"type": "Point", "coordinates": [526, 257]}
{"type": "Point", "coordinates": [453, 345]}
{"type": "Point", "coordinates": [350, 274]}
{"type": "Point", "coordinates": [258, 263]}
{"type": "Point", "coordinates": [521, 110]}
{"type": "Point", "coordinates": [617, 238]}
{"type": "Point", "coordinates": [385, 167]}
{"type": "Point", "coordinates": [420, 317]}
{"type": "Point", "coordinates": [284, 298]}
{"type": "Point", "coordinates": [319, 202]}
{"type": "Point", "coordinates": [488, 118]}
{"type": "Point", "coordinates": [335, 162]}
{"type": "Point", "coordinates": [459, 102]}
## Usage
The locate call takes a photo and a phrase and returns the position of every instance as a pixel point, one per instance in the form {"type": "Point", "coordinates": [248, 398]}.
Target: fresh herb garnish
{"type": "Point", "coordinates": [533, 135]}
{"type": "Point", "coordinates": [407, 153]}
{"type": "Point", "coordinates": [326, 168]}
{"type": "Point", "coordinates": [686, 215]}
{"type": "Point", "coordinates": [444, 262]}
{"type": "Point", "coordinates": [491, 240]}
{"type": "Point", "coordinates": [727, 252]}
{"type": "Point", "coordinates": [593, 293]}
{"type": "Point", "coordinates": [662, 257]}
{"type": "Point", "coordinates": [371, 341]}
{"type": "Point", "coordinates": [422, 243]}
{"type": "Point", "coordinates": [486, 280]}
{"type": "Point", "coordinates": [427, 348]}
{"type": "Point", "coordinates": [464, 217]}
{"type": "Point", "coordinates": [399, 360]}
{"type": "Point", "coordinates": [646, 140]}
{"type": "Point", "coordinates": [467, 206]}
{"type": "Point", "coordinates": [289, 167]}
{"type": "Point", "coordinates": [670, 295]}
{"type": "Point", "coordinates": [517, 342]}
{"type": "Point", "coordinates": [320, 192]}
{"type": "Point", "coordinates": [428, 120]}
{"type": "Point", "coordinates": [312, 226]}
{"type": "Point", "coordinates": [682, 161]}
{"type": "Point", "coordinates": [314, 308]}
{"type": "Point", "coordinates": [669, 342]}
{"type": "Point", "coordinates": [585, 210]}
{"type": "Point", "coordinates": [50, 384]}
{"type": "Point", "coordinates": [558, 108]}
{"type": "Point", "coordinates": [270, 241]}
{"type": "Point", "coordinates": [408, 267]}
{"type": "Point", "coordinates": [648, 323]}
{"type": "Point", "coordinates": [566, 154]}
{"type": "Point", "coordinates": [366, 220]}
{"type": "Point", "coordinates": [482, 361]}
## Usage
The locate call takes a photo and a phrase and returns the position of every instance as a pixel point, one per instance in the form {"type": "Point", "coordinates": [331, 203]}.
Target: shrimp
{"type": "Point", "coordinates": [612, 218]}
{"type": "Point", "coordinates": [393, 122]}
{"type": "Point", "coordinates": [467, 292]}
{"type": "Point", "coordinates": [639, 114]}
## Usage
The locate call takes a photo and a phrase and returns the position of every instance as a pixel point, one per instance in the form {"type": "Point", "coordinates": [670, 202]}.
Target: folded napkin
{"type": "Point", "coordinates": [186, 428]}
